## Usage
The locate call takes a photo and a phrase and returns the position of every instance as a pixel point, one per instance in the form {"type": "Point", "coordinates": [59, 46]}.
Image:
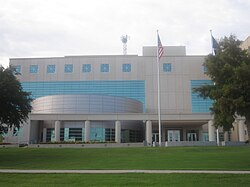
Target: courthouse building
{"type": "Point", "coordinates": [113, 98]}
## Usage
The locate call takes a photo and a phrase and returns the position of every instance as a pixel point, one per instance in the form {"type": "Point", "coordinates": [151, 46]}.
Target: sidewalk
{"type": "Point", "coordinates": [121, 171]}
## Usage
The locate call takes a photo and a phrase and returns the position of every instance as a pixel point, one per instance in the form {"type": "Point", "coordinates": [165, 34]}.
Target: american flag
{"type": "Point", "coordinates": [160, 48]}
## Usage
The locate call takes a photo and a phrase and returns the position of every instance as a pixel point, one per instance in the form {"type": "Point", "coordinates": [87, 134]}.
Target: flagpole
{"type": "Point", "coordinates": [158, 91]}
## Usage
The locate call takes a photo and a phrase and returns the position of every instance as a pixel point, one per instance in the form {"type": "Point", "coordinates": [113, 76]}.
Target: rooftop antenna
{"type": "Point", "coordinates": [124, 39]}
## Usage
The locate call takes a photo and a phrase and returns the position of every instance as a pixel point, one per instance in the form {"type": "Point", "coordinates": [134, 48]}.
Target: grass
{"type": "Point", "coordinates": [72, 180]}
{"type": "Point", "coordinates": [197, 158]}
{"type": "Point", "coordinates": [209, 158]}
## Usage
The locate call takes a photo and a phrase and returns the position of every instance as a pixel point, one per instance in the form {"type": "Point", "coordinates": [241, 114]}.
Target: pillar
{"type": "Point", "coordinates": [226, 136]}
{"type": "Point", "coordinates": [211, 131]}
{"type": "Point", "coordinates": [44, 134]}
{"type": "Point", "coordinates": [149, 132]}
{"type": "Point", "coordinates": [184, 134]}
{"type": "Point", "coordinates": [235, 131]}
{"type": "Point", "coordinates": [163, 135]}
{"type": "Point", "coordinates": [118, 132]}
{"type": "Point", "coordinates": [241, 126]}
{"type": "Point", "coordinates": [217, 137]}
{"type": "Point", "coordinates": [57, 131]}
{"type": "Point", "coordinates": [200, 130]}
{"type": "Point", "coordinates": [87, 131]}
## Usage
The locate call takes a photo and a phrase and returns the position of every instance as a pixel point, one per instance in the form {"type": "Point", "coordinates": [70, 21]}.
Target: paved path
{"type": "Point", "coordinates": [121, 171]}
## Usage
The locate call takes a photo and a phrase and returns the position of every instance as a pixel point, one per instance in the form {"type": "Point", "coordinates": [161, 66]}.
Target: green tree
{"type": "Point", "coordinates": [15, 104]}
{"type": "Point", "coordinates": [229, 70]}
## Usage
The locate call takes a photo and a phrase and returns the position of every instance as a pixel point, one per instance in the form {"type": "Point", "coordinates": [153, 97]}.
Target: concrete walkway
{"type": "Point", "coordinates": [122, 171]}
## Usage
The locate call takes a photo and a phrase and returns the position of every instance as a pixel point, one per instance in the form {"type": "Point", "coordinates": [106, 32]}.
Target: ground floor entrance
{"type": "Point", "coordinates": [173, 135]}
{"type": "Point", "coordinates": [107, 128]}
{"type": "Point", "coordinates": [192, 137]}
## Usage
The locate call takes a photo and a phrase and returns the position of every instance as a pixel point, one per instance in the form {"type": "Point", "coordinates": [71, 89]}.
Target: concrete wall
{"type": "Point", "coordinates": [168, 51]}
{"type": "Point", "coordinates": [175, 85]}
{"type": "Point", "coordinates": [186, 143]}
{"type": "Point", "coordinates": [34, 132]}
{"type": "Point", "coordinates": [103, 145]}
{"type": "Point", "coordinates": [246, 44]}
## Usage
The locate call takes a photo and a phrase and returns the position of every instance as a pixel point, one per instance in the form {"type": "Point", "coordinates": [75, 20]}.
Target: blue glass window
{"type": "Point", "coordinates": [130, 89]}
{"type": "Point", "coordinates": [126, 67]}
{"type": "Point", "coordinates": [17, 69]}
{"type": "Point", "coordinates": [86, 68]}
{"type": "Point", "coordinates": [167, 67]}
{"type": "Point", "coordinates": [198, 103]}
{"type": "Point", "coordinates": [204, 69]}
{"type": "Point", "coordinates": [68, 68]}
{"type": "Point", "coordinates": [33, 68]}
{"type": "Point", "coordinates": [104, 67]}
{"type": "Point", "coordinates": [51, 68]}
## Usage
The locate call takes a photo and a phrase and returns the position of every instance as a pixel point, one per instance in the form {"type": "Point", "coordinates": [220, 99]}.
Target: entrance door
{"type": "Point", "coordinates": [173, 135]}
{"type": "Point", "coordinates": [192, 136]}
{"type": "Point", "coordinates": [155, 137]}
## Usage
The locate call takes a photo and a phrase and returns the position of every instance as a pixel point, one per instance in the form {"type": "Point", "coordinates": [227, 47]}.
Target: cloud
{"type": "Point", "coordinates": [67, 27]}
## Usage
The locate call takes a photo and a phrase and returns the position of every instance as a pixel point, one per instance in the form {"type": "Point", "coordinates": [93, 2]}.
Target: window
{"type": "Point", "coordinates": [126, 67]}
{"type": "Point", "coordinates": [199, 104]}
{"type": "Point", "coordinates": [51, 68]}
{"type": "Point", "coordinates": [109, 134]}
{"type": "Point", "coordinates": [17, 69]}
{"type": "Point", "coordinates": [86, 68]}
{"type": "Point", "coordinates": [33, 68]}
{"type": "Point", "coordinates": [204, 69]}
{"type": "Point", "coordinates": [68, 68]}
{"type": "Point", "coordinates": [104, 67]}
{"type": "Point", "coordinates": [167, 67]}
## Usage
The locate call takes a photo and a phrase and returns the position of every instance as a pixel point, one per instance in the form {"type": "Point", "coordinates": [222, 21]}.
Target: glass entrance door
{"type": "Point", "coordinates": [192, 136]}
{"type": "Point", "coordinates": [155, 137]}
{"type": "Point", "coordinates": [173, 135]}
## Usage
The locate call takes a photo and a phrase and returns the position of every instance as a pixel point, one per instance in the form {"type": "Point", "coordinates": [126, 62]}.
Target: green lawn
{"type": "Point", "coordinates": [181, 180]}
{"type": "Point", "coordinates": [210, 158]}
{"type": "Point", "coordinates": [201, 158]}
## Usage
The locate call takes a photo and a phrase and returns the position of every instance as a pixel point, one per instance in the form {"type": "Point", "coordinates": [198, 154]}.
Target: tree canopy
{"type": "Point", "coordinates": [229, 71]}
{"type": "Point", "coordinates": [15, 104]}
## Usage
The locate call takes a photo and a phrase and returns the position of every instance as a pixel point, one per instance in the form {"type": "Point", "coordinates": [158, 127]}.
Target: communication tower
{"type": "Point", "coordinates": [124, 40]}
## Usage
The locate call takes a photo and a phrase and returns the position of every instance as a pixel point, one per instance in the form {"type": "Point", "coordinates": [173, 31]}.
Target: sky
{"type": "Point", "coordinates": [52, 28]}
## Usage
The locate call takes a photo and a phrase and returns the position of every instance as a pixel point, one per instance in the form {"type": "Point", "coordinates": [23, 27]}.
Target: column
{"type": "Point", "coordinates": [235, 131]}
{"type": "Point", "coordinates": [87, 131]}
{"type": "Point", "coordinates": [44, 134]}
{"type": "Point", "coordinates": [10, 131]}
{"type": "Point", "coordinates": [163, 135]}
{"type": "Point", "coordinates": [211, 131]}
{"type": "Point", "coordinates": [184, 134]}
{"type": "Point", "coordinates": [57, 131]}
{"type": "Point", "coordinates": [200, 130]}
{"type": "Point", "coordinates": [149, 132]}
{"type": "Point", "coordinates": [118, 132]}
{"type": "Point", "coordinates": [217, 137]}
{"type": "Point", "coordinates": [226, 139]}
{"type": "Point", "coordinates": [241, 126]}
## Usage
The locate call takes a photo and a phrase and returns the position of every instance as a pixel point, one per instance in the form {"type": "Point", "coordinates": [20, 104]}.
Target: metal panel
{"type": "Point", "coordinates": [85, 104]}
